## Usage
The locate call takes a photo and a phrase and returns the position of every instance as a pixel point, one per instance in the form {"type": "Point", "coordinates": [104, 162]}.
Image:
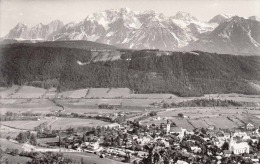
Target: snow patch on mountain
{"type": "Point", "coordinates": [141, 30]}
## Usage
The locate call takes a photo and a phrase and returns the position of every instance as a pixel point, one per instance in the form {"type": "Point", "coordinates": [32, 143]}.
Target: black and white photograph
{"type": "Point", "coordinates": [130, 81]}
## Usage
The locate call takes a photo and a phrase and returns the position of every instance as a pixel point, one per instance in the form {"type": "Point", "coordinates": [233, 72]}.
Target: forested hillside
{"type": "Point", "coordinates": [181, 73]}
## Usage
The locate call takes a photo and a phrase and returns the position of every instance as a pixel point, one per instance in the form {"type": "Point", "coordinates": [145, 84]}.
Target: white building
{"type": "Point", "coordinates": [238, 148]}
{"type": "Point", "coordinates": [144, 140]}
{"type": "Point", "coordinates": [113, 125]}
{"type": "Point", "coordinates": [28, 148]}
{"type": "Point", "coordinates": [91, 145]}
{"type": "Point", "coordinates": [175, 130]}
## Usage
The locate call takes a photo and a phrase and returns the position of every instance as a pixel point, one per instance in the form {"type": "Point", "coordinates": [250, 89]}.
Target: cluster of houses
{"type": "Point", "coordinates": [237, 142]}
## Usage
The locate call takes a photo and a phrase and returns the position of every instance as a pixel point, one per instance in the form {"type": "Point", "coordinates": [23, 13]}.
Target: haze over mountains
{"type": "Point", "coordinates": [149, 30]}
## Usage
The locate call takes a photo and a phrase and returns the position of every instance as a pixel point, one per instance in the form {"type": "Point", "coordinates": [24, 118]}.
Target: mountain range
{"type": "Point", "coordinates": [129, 29]}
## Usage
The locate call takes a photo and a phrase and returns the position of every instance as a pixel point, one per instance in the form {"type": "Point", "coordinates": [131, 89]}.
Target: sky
{"type": "Point", "coordinates": [32, 12]}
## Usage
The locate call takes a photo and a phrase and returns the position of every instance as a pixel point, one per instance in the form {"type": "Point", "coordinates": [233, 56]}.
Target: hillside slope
{"type": "Point", "coordinates": [181, 73]}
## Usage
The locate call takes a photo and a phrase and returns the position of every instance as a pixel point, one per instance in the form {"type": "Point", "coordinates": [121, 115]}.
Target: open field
{"type": "Point", "coordinates": [17, 159]}
{"type": "Point", "coordinates": [92, 111]}
{"type": "Point", "coordinates": [81, 93]}
{"type": "Point", "coordinates": [60, 123]}
{"type": "Point", "coordinates": [199, 123]}
{"type": "Point", "coordinates": [64, 123]}
{"type": "Point", "coordinates": [28, 92]}
{"type": "Point", "coordinates": [7, 92]}
{"type": "Point", "coordinates": [110, 93]}
{"type": "Point", "coordinates": [89, 158]}
{"type": "Point", "coordinates": [11, 145]}
{"type": "Point", "coordinates": [225, 117]}
{"type": "Point", "coordinates": [26, 125]}
{"type": "Point", "coordinates": [247, 118]}
{"type": "Point", "coordinates": [24, 105]}
{"type": "Point", "coordinates": [50, 93]}
{"type": "Point", "coordinates": [236, 120]}
{"type": "Point", "coordinates": [31, 99]}
{"type": "Point", "coordinates": [221, 122]}
{"type": "Point", "coordinates": [183, 123]}
{"type": "Point", "coordinates": [7, 131]}
{"type": "Point", "coordinates": [235, 97]}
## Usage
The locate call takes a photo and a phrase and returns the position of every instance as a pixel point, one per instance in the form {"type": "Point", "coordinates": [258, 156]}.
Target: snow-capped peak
{"type": "Point", "coordinates": [254, 18]}
{"type": "Point", "coordinates": [20, 25]}
{"type": "Point", "coordinates": [226, 15]}
{"type": "Point", "coordinates": [125, 10]}
{"type": "Point", "coordinates": [184, 16]}
{"type": "Point", "coordinates": [220, 18]}
{"type": "Point", "coordinates": [39, 25]}
{"type": "Point", "coordinates": [141, 30]}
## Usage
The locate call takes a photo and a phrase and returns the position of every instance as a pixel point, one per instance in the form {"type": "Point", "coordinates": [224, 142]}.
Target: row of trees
{"type": "Point", "coordinates": [27, 136]}
{"type": "Point", "coordinates": [203, 103]}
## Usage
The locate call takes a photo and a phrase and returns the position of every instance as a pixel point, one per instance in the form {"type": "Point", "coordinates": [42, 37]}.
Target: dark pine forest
{"type": "Point", "coordinates": [181, 73]}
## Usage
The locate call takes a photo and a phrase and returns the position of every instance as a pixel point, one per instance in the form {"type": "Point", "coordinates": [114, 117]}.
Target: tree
{"type": "Point", "coordinates": [15, 152]}
{"type": "Point", "coordinates": [203, 131]}
{"type": "Point", "coordinates": [84, 137]}
{"type": "Point", "coordinates": [127, 157]}
{"type": "Point", "coordinates": [180, 115]}
{"type": "Point", "coordinates": [153, 113]}
{"type": "Point", "coordinates": [225, 146]}
{"type": "Point", "coordinates": [33, 139]}
{"type": "Point", "coordinates": [22, 137]}
{"type": "Point", "coordinates": [82, 161]}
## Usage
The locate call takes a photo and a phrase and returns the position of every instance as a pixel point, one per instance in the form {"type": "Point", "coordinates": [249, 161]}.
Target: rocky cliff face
{"type": "Point", "coordinates": [149, 30]}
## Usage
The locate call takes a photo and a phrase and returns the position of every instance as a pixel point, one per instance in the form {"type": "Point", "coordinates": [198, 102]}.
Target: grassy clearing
{"type": "Point", "coordinates": [221, 122]}
{"type": "Point", "coordinates": [203, 117]}
{"type": "Point", "coordinates": [152, 96]}
{"type": "Point", "coordinates": [183, 123]}
{"type": "Point", "coordinates": [87, 103]}
{"type": "Point", "coordinates": [8, 144]}
{"type": "Point", "coordinates": [17, 159]}
{"type": "Point", "coordinates": [34, 105]}
{"type": "Point", "coordinates": [51, 93]}
{"type": "Point", "coordinates": [249, 118]}
{"type": "Point", "coordinates": [97, 92]}
{"type": "Point", "coordinates": [29, 92]}
{"type": "Point", "coordinates": [64, 123]}
{"type": "Point", "coordinates": [6, 93]}
{"type": "Point", "coordinates": [83, 109]}
{"type": "Point", "coordinates": [235, 97]}
{"type": "Point", "coordinates": [80, 93]}
{"type": "Point", "coordinates": [27, 125]}
{"type": "Point", "coordinates": [236, 121]}
{"type": "Point", "coordinates": [89, 158]}
{"type": "Point", "coordinates": [7, 131]}
{"type": "Point", "coordinates": [108, 92]}
{"type": "Point", "coordinates": [199, 123]}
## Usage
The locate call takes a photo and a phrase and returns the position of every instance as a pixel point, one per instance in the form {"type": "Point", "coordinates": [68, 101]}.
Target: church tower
{"type": "Point", "coordinates": [168, 127]}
